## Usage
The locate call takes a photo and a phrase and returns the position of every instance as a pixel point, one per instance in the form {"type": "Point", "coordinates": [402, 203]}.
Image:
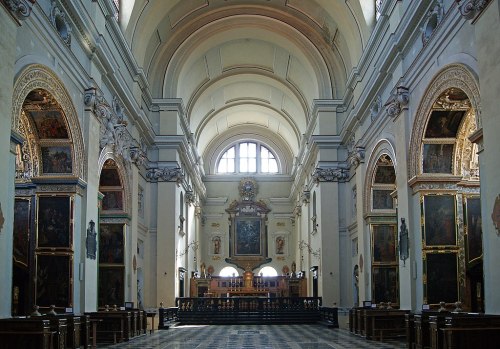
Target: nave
{"type": "Point", "coordinates": [254, 336]}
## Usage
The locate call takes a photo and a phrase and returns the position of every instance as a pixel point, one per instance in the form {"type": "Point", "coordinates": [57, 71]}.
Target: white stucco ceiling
{"type": "Point", "coordinates": [247, 62]}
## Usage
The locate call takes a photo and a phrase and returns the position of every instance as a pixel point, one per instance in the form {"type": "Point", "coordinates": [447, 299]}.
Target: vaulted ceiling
{"type": "Point", "coordinates": [254, 65]}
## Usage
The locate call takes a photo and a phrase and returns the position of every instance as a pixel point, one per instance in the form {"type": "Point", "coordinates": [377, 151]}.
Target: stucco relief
{"type": "Point", "coordinates": [453, 76]}
{"type": "Point", "coordinates": [37, 76]}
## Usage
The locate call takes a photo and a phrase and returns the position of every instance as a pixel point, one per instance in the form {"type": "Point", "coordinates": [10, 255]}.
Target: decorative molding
{"type": "Point", "coordinates": [356, 157]}
{"type": "Point", "coordinates": [113, 130]}
{"type": "Point", "coordinates": [39, 77]}
{"type": "Point", "coordinates": [375, 107]}
{"type": "Point", "coordinates": [472, 9]}
{"type": "Point", "coordinates": [398, 102]}
{"type": "Point", "coordinates": [21, 9]}
{"type": "Point", "coordinates": [452, 76]}
{"type": "Point", "coordinates": [331, 174]}
{"type": "Point", "coordinates": [432, 20]}
{"type": "Point", "coordinates": [248, 189]}
{"type": "Point", "coordinates": [60, 22]}
{"type": "Point", "coordinates": [165, 175]}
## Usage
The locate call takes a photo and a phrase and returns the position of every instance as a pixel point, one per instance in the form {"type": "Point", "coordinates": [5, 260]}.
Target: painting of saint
{"type": "Point", "coordinates": [56, 159]}
{"type": "Point", "coordinates": [442, 278]}
{"type": "Point", "coordinates": [440, 220]}
{"type": "Point", "coordinates": [21, 230]}
{"type": "Point", "coordinates": [385, 175]}
{"type": "Point", "coordinates": [112, 201]}
{"type": "Point", "coordinates": [248, 237]}
{"type": "Point", "coordinates": [216, 245]}
{"type": "Point", "coordinates": [474, 229]}
{"type": "Point", "coordinates": [385, 285]}
{"type": "Point", "coordinates": [382, 200]}
{"type": "Point", "coordinates": [111, 243]}
{"type": "Point", "coordinates": [111, 286]}
{"type": "Point", "coordinates": [444, 123]}
{"type": "Point", "coordinates": [438, 158]}
{"type": "Point", "coordinates": [384, 243]}
{"type": "Point", "coordinates": [54, 228]}
{"type": "Point", "coordinates": [53, 284]}
{"type": "Point", "coordinates": [49, 124]}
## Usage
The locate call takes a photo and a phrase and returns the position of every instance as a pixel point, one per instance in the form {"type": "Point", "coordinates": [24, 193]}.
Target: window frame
{"type": "Point", "coordinates": [238, 159]}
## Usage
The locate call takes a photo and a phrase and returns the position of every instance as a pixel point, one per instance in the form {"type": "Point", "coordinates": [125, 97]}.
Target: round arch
{"type": "Point", "coordinates": [452, 76]}
{"type": "Point", "coordinates": [37, 76]}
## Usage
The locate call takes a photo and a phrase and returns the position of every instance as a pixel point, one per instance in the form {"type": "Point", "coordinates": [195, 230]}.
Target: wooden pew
{"type": "Point", "coordinates": [33, 333]}
{"type": "Point", "coordinates": [464, 330]}
{"type": "Point", "coordinates": [384, 323]}
{"type": "Point", "coordinates": [410, 330]}
{"type": "Point", "coordinates": [422, 327]}
{"type": "Point", "coordinates": [115, 326]}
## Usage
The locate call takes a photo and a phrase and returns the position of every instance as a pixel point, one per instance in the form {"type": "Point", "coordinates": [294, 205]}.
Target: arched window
{"type": "Point", "coordinates": [228, 272]}
{"type": "Point", "coordinates": [247, 157]}
{"type": "Point", "coordinates": [268, 271]}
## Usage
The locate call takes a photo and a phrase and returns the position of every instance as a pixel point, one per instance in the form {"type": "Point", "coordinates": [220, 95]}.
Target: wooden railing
{"type": "Point", "coordinates": [248, 310]}
{"type": "Point", "coordinates": [167, 316]}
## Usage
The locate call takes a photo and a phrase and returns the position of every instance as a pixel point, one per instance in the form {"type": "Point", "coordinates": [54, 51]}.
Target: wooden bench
{"type": "Point", "coordinates": [410, 330]}
{"type": "Point", "coordinates": [422, 327]}
{"type": "Point", "coordinates": [463, 330]}
{"type": "Point", "coordinates": [115, 326]}
{"type": "Point", "coordinates": [384, 323]}
{"type": "Point", "coordinates": [33, 333]}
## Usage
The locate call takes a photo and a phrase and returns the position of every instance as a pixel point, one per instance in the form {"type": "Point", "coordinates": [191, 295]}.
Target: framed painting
{"type": "Point", "coordinates": [56, 160]}
{"type": "Point", "coordinates": [54, 222]}
{"type": "Point", "coordinates": [382, 199]}
{"type": "Point", "coordinates": [474, 228]}
{"type": "Point", "coordinates": [109, 178]}
{"type": "Point", "coordinates": [49, 124]}
{"type": "Point", "coordinates": [248, 240]}
{"type": "Point", "coordinates": [384, 243]}
{"type": "Point", "coordinates": [21, 231]}
{"type": "Point", "coordinates": [53, 280]}
{"type": "Point", "coordinates": [444, 123]}
{"type": "Point", "coordinates": [111, 286]}
{"type": "Point", "coordinates": [385, 175]}
{"type": "Point", "coordinates": [111, 244]}
{"type": "Point", "coordinates": [440, 227]}
{"type": "Point", "coordinates": [385, 285]}
{"type": "Point", "coordinates": [216, 248]}
{"type": "Point", "coordinates": [437, 158]}
{"type": "Point", "coordinates": [112, 201]}
{"type": "Point", "coordinates": [440, 277]}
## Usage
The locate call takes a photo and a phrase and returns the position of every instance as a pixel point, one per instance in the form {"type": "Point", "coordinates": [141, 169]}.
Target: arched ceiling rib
{"type": "Point", "coordinates": [247, 63]}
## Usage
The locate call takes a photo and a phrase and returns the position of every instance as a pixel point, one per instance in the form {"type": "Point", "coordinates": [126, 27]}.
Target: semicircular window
{"type": "Point", "coordinates": [248, 157]}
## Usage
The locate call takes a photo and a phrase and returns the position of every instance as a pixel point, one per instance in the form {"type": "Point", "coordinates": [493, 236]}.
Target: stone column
{"type": "Point", "coordinates": [8, 28]}
{"type": "Point", "coordinates": [487, 29]}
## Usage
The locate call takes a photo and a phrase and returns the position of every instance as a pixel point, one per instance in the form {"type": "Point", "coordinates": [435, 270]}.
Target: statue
{"type": "Point", "coordinates": [203, 270]}
{"type": "Point", "coordinates": [91, 241]}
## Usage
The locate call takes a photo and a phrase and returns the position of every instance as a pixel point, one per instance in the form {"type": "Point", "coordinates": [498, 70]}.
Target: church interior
{"type": "Point", "coordinates": [161, 153]}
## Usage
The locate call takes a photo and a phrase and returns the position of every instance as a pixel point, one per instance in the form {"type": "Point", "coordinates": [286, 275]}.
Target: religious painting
{"type": "Point", "coordinates": [21, 231]}
{"type": "Point", "coordinates": [474, 228]}
{"type": "Point", "coordinates": [279, 245]}
{"type": "Point", "coordinates": [50, 124]}
{"type": "Point", "coordinates": [438, 158]}
{"type": "Point", "coordinates": [439, 220]}
{"type": "Point", "coordinates": [56, 159]}
{"type": "Point", "coordinates": [247, 237]}
{"type": "Point", "coordinates": [385, 175]}
{"type": "Point", "coordinates": [384, 243]}
{"type": "Point", "coordinates": [112, 201]}
{"type": "Point", "coordinates": [382, 199]}
{"type": "Point", "coordinates": [111, 244]}
{"type": "Point", "coordinates": [385, 285]}
{"type": "Point", "coordinates": [441, 274]}
{"type": "Point", "coordinates": [444, 123]}
{"type": "Point", "coordinates": [111, 286]}
{"type": "Point", "coordinates": [54, 222]}
{"type": "Point", "coordinates": [109, 178]}
{"type": "Point", "coordinates": [53, 280]}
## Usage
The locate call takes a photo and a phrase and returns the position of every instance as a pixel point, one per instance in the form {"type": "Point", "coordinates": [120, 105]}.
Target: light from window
{"type": "Point", "coordinates": [268, 271]}
{"type": "Point", "coordinates": [228, 272]}
{"type": "Point", "coordinates": [248, 157]}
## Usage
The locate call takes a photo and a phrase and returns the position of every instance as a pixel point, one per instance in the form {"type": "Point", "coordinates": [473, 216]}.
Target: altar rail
{"type": "Point", "coordinates": [248, 310]}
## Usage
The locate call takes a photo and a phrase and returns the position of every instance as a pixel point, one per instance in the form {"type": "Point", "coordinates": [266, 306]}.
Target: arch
{"type": "Point", "coordinates": [108, 154]}
{"type": "Point", "coordinates": [228, 272]}
{"type": "Point", "coordinates": [268, 271]}
{"type": "Point", "coordinates": [452, 76]}
{"type": "Point", "coordinates": [383, 147]}
{"type": "Point", "coordinates": [37, 76]}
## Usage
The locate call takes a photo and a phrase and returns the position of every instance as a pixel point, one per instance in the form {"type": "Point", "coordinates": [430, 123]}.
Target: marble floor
{"type": "Point", "coordinates": [254, 337]}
